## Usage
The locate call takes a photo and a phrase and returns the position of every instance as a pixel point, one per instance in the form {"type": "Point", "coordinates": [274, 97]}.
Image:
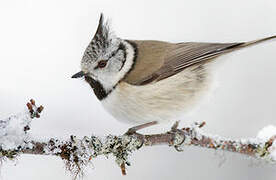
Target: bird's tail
{"type": "Point", "coordinates": [250, 43]}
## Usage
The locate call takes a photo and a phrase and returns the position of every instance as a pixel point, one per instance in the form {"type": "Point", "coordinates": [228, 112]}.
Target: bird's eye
{"type": "Point", "coordinates": [102, 63]}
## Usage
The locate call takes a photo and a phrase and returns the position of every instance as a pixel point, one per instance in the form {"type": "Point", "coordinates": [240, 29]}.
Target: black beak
{"type": "Point", "coordinates": [78, 75]}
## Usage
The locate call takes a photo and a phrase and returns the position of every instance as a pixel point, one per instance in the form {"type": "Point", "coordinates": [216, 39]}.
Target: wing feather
{"type": "Point", "coordinates": [182, 55]}
{"type": "Point", "coordinates": [158, 60]}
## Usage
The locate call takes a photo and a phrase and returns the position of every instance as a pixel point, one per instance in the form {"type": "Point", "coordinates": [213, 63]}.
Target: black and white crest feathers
{"type": "Point", "coordinates": [102, 42]}
{"type": "Point", "coordinates": [102, 37]}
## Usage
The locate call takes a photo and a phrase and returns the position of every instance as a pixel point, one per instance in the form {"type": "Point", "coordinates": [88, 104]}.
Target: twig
{"type": "Point", "coordinates": [78, 153]}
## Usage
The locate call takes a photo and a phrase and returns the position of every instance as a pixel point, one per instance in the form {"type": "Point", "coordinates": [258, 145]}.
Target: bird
{"type": "Point", "coordinates": [143, 81]}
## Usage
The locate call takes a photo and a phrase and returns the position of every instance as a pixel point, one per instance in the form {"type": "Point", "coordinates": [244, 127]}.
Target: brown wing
{"type": "Point", "coordinates": [158, 60]}
{"type": "Point", "coordinates": [168, 59]}
{"type": "Point", "coordinates": [184, 55]}
{"type": "Point", "coordinates": [150, 58]}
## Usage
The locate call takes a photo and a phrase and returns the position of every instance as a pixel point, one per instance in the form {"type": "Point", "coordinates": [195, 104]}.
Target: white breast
{"type": "Point", "coordinates": [164, 100]}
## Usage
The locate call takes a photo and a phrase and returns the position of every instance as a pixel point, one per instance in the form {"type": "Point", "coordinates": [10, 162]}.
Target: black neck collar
{"type": "Point", "coordinates": [97, 88]}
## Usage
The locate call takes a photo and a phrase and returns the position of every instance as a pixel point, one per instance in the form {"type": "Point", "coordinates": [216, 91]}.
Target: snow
{"type": "Point", "coordinates": [273, 151]}
{"type": "Point", "coordinates": [12, 134]}
{"type": "Point", "coordinates": [267, 132]}
{"type": "Point", "coordinates": [265, 135]}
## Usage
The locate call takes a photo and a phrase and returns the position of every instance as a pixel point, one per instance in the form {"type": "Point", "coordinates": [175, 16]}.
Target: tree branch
{"type": "Point", "coordinates": [78, 152]}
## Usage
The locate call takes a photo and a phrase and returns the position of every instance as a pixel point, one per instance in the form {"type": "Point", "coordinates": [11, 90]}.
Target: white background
{"type": "Point", "coordinates": [41, 44]}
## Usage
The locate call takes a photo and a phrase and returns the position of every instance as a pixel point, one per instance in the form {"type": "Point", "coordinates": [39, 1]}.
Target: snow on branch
{"type": "Point", "coordinates": [79, 152]}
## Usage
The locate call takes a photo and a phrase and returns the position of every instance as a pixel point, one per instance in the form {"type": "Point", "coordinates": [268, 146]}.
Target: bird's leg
{"type": "Point", "coordinates": [175, 126]}
{"type": "Point", "coordinates": [134, 129]}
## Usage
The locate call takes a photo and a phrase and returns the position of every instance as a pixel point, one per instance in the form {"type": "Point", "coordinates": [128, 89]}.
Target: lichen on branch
{"type": "Point", "coordinates": [77, 153]}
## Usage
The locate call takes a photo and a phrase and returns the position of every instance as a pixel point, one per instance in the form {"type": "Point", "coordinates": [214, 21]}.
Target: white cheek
{"type": "Point", "coordinates": [115, 65]}
{"type": "Point", "coordinates": [114, 71]}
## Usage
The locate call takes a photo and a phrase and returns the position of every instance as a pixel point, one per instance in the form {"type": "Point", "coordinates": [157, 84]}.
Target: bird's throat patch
{"type": "Point", "coordinates": [97, 88]}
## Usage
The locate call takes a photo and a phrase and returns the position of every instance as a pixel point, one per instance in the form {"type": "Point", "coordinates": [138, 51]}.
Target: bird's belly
{"type": "Point", "coordinates": [162, 101]}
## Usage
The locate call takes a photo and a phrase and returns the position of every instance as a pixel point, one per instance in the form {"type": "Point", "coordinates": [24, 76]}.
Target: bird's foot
{"type": "Point", "coordinates": [134, 129]}
{"type": "Point", "coordinates": [174, 130]}
{"type": "Point", "coordinates": [175, 126]}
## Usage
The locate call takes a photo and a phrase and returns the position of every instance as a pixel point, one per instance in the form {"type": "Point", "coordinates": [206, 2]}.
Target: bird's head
{"type": "Point", "coordinates": [107, 59]}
